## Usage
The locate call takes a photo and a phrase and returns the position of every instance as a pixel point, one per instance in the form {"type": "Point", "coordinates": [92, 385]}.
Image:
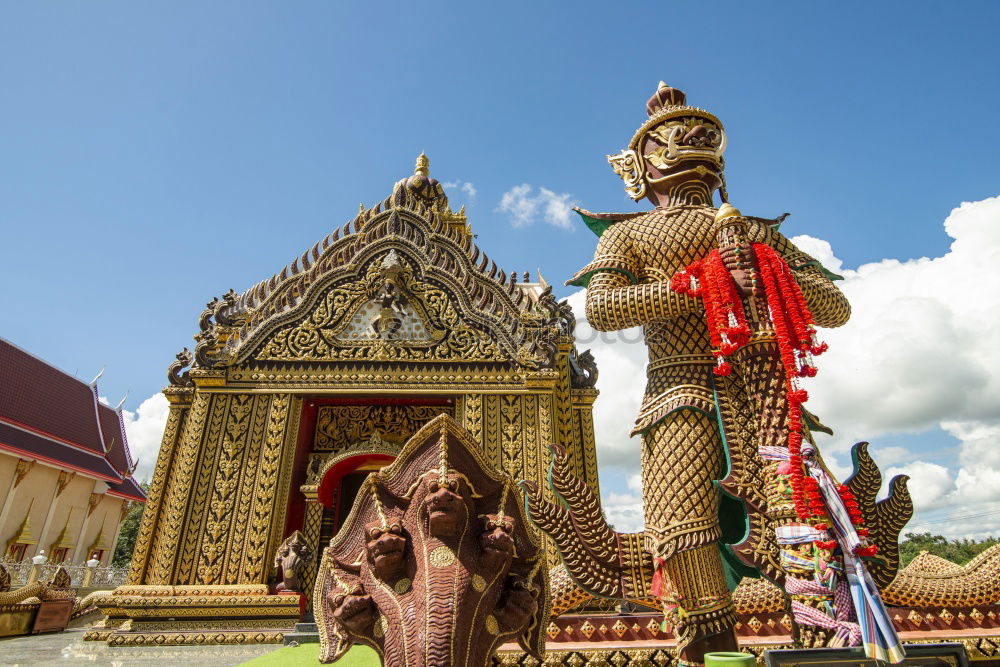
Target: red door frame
{"type": "Point", "coordinates": [307, 427]}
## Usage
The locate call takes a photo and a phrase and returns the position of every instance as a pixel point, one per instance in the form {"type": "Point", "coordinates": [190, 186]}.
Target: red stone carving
{"type": "Point", "coordinates": [436, 564]}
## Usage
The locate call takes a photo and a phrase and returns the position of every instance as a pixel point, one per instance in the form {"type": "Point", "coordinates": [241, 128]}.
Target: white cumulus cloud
{"type": "Point", "coordinates": [144, 430]}
{"type": "Point", "coordinates": [468, 188]}
{"type": "Point", "coordinates": [524, 206]}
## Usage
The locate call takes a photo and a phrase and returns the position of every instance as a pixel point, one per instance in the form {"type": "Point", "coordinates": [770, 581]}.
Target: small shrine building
{"type": "Point", "coordinates": [307, 381]}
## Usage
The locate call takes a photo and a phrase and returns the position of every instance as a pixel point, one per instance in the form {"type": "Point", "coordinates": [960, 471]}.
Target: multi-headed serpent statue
{"type": "Point", "coordinates": [732, 483]}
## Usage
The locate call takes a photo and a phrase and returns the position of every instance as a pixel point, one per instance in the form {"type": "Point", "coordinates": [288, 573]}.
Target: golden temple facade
{"type": "Point", "coordinates": [308, 380]}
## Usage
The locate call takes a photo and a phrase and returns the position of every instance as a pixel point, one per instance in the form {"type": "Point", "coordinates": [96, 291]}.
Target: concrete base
{"type": "Point", "coordinates": [195, 615]}
{"type": "Point", "coordinates": [305, 633]}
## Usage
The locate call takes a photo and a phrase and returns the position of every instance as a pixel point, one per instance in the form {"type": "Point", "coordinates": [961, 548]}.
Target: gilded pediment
{"type": "Point", "coordinates": [383, 315]}
{"type": "Point", "coordinates": [401, 282]}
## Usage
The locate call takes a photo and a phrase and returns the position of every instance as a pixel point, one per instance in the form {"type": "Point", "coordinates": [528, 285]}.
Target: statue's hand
{"type": "Point", "coordinates": [742, 266]}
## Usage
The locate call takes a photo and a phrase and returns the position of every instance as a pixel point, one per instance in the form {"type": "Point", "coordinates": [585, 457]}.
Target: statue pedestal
{"type": "Point", "coordinates": [196, 615]}
{"type": "Point", "coordinates": [301, 597]}
{"type": "Point", "coordinates": [305, 633]}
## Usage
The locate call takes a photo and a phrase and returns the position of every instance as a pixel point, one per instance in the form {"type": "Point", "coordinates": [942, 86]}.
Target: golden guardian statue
{"type": "Point", "coordinates": [733, 485]}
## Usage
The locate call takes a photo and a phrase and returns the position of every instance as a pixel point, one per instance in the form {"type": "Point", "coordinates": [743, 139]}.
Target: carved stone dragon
{"type": "Point", "coordinates": [291, 559]}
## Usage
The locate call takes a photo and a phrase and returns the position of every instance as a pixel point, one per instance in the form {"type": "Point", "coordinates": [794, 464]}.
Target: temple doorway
{"type": "Point", "coordinates": [342, 440]}
{"type": "Point", "coordinates": [339, 488]}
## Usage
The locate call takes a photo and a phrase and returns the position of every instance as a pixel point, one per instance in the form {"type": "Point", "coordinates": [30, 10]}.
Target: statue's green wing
{"type": "Point", "coordinates": [599, 222]}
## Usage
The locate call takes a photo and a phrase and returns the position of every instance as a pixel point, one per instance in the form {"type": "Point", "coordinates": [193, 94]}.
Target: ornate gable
{"type": "Point", "coordinates": [401, 282]}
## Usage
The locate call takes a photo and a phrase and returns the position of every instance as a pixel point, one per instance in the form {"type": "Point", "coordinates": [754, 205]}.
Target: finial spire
{"type": "Point", "coordinates": [423, 165]}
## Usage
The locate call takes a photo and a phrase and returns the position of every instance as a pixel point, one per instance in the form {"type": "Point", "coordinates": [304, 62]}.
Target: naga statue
{"type": "Point", "coordinates": [436, 563]}
{"type": "Point", "coordinates": [291, 559]}
{"type": "Point", "coordinates": [733, 484]}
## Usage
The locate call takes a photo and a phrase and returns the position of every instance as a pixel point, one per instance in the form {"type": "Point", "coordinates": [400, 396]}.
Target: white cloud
{"type": "Point", "coordinates": [524, 207]}
{"type": "Point", "coordinates": [929, 482]}
{"type": "Point", "coordinates": [917, 356]}
{"type": "Point", "coordinates": [519, 205]}
{"type": "Point", "coordinates": [144, 430]}
{"type": "Point", "coordinates": [621, 359]}
{"type": "Point", "coordinates": [468, 188]}
{"type": "Point", "coordinates": [623, 511]}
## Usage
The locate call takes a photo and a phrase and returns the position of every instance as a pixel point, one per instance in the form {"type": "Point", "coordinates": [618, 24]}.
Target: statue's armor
{"type": "Point", "coordinates": [682, 453]}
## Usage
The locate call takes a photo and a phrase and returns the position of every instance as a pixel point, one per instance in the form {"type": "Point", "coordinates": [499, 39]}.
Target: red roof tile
{"type": "Point", "coordinates": [38, 396]}
{"type": "Point", "coordinates": [50, 416]}
{"type": "Point", "coordinates": [128, 489]}
{"type": "Point", "coordinates": [29, 445]}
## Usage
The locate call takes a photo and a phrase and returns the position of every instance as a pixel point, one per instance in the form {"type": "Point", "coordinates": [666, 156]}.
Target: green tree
{"type": "Point", "coordinates": [959, 552]}
{"type": "Point", "coordinates": [129, 532]}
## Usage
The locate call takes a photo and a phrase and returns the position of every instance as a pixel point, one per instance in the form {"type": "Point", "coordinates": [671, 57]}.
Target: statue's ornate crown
{"type": "Point", "coordinates": [666, 103]}
{"type": "Point", "coordinates": [665, 96]}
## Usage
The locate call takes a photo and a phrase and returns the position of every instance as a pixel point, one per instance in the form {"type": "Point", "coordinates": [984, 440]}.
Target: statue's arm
{"type": "Point", "coordinates": [827, 303]}
{"type": "Point", "coordinates": [614, 300]}
{"type": "Point", "coordinates": [613, 303]}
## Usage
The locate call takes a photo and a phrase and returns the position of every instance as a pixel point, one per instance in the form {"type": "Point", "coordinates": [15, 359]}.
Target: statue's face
{"type": "Point", "coordinates": [496, 539]}
{"type": "Point", "coordinates": [688, 144]}
{"type": "Point", "coordinates": [386, 549]}
{"type": "Point", "coordinates": [445, 504]}
{"type": "Point", "coordinates": [683, 140]}
{"type": "Point", "coordinates": [353, 611]}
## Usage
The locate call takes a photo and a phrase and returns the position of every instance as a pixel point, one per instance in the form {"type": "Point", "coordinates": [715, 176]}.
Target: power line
{"type": "Point", "coordinates": [955, 518]}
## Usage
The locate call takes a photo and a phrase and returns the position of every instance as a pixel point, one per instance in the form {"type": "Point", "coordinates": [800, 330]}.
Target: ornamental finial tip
{"type": "Point", "coordinates": [663, 84]}
{"type": "Point", "coordinates": [727, 210]}
{"type": "Point", "coordinates": [423, 165]}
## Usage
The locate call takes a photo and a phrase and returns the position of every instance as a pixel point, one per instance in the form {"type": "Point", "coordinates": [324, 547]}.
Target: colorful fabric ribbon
{"type": "Point", "coordinates": [859, 616]}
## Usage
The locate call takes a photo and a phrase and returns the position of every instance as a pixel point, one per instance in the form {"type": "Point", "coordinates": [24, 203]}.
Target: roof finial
{"type": "Point", "coordinates": [423, 165]}
{"type": "Point", "coordinates": [122, 402]}
{"type": "Point", "coordinates": [96, 378]}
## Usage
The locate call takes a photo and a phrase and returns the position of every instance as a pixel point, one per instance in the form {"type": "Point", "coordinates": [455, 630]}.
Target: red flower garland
{"type": "Point", "coordinates": [710, 280]}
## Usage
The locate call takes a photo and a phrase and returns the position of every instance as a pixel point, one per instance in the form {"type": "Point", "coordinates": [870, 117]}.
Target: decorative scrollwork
{"type": "Point", "coordinates": [338, 426]}
{"type": "Point", "coordinates": [583, 369]}
{"type": "Point", "coordinates": [210, 348]}
{"type": "Point", "coordinates": [174, 375]}
{"type": "Point", "coordinates": [364, 319]}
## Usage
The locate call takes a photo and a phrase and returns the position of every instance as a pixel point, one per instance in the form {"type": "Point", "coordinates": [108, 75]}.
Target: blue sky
{"type": "Point", "coordinates": [155, 154]}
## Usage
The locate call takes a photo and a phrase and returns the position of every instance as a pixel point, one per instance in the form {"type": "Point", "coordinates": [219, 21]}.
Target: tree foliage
{"type": "Point", "coordinates": [130, 529]}
{"type": "Point", "coordinates": [959, 552]}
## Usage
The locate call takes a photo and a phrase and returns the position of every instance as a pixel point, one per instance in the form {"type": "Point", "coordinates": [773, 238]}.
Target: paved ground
{"type": "Point", "coordinates": [69, 648]}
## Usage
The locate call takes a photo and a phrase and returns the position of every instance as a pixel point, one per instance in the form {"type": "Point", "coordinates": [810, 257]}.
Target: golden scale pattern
{"type": "Point", "coordinates": [975, 583]}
